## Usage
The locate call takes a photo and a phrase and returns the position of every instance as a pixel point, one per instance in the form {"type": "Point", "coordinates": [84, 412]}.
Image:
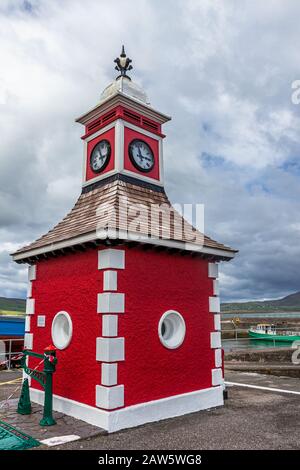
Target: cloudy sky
{"type": "Point", "coordinates": [223, 70]}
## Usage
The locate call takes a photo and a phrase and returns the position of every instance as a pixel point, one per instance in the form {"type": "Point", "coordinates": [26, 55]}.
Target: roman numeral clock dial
{"type": "Point", "coordinates": [141, 155]}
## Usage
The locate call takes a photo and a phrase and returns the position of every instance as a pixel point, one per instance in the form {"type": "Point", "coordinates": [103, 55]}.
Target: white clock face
{"type": "Point", "coordinates": [100, 156]}
{"type": "Point", "coordinates": [141, 155]}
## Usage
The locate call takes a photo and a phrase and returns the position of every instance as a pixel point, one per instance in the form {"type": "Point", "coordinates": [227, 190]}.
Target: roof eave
{"type": "Point", "coordinates": [113, 234]}
{"type": "Point", "coordinates": [122, 98]}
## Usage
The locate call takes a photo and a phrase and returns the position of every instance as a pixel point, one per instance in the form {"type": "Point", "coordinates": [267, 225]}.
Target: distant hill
{"type": "Point", "coordinates": [286, 304]}
{"type": "Point", "coordinates": [12, 306]}
{"type": "Point", "coordinates": [289, 303]}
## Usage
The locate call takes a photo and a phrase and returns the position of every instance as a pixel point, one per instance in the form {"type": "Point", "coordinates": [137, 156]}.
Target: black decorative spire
{"type": "Point", "coordinates": [123, 64]}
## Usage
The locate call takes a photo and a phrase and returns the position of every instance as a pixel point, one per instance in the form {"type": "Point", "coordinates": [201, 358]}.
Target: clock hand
{"type": "Point", "coordinates": [140, 154]}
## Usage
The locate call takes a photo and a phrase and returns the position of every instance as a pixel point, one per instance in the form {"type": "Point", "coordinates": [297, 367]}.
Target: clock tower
{"type": "Point", "coordinates": [126, 291]}
{"type": "Point", "coordinates": [123, 133]}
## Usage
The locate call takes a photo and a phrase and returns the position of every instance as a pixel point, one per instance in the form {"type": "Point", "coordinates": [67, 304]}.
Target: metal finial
{"type": "Point", "coordinates": [123, 64]}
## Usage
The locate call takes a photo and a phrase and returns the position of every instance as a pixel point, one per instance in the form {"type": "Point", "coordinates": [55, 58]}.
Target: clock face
{"type": "Point", "coordinates": [100, 156]}
{"type": "Point", "coordinates": [141, 155]}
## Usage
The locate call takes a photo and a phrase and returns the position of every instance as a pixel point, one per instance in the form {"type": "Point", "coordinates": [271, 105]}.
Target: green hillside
{"type": "Point", "coordinates": [12, 306]}
{"type": "Point", "coordinates": [290, 303]}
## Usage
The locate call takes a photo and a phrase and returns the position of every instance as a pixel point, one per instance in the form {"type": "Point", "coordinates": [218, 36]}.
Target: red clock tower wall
{"type": "Point", "coordinates": [110, 137]}
{"type": "Point", "coordinates": [154, 144]}
{"type": "Point", "coordinates": [120, 133]}
{"type": "Point", "coordinates": [149, 371]}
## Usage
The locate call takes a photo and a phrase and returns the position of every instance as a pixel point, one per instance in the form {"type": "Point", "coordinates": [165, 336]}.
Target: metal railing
{"type": "Point", "coordinates": [6, 353]}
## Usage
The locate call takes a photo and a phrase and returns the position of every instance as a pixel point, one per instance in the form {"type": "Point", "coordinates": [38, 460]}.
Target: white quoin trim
{"type": "Point", "coordinates": [136, 415]}
{"type": "Point", "coordinates": [30, 305]}
{"type": "Point", "coordinates": [28, 341]}
{"type": "Point", "coordinates": [109, 374]}
{"type": "Point", "coordinates": [216, 288]}
{"type": "Point", "coordinates": [213, 270]}
{"type": "Point", "coordinates": [111, 303]}
{"type": "Point", "coordinates": [110, 280]}
{"type": "Point", "coordinates": [214, 304]}
{"type": "Point", "coordinates": [29, 289]}
{"type": "Point", "coordinates": [215, 339]}
{"type": "Point", "coordinates": [110, 349]}
{"type": "Point", "coordinates": [218, 357]}
{"type": "Point", "coordinates": [216, 377]}
{"type": "Point", "coordinates": [32, 273]}
{"type": "Point", "coordinates": [110, 325]}
{"type": "Point", "coordinates": [109, 398]}
{"type": "Point", "coordinates": [27, 323]}
{"type": "Point", "coordinates": [111, 259]}
{"type": "Point", "coordinates": [217, 322]}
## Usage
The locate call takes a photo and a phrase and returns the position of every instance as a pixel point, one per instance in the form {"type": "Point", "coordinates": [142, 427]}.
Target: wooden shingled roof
{"type": "Point", "coordinates": [132, 211]}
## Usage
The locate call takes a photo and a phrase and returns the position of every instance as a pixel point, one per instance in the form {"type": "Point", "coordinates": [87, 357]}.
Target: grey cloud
{"type": "Point", "coordinates": [222, 70]}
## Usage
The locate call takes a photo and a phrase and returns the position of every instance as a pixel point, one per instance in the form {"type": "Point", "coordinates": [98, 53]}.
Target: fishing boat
{"type": "Point", "coordinates": [269, 332]}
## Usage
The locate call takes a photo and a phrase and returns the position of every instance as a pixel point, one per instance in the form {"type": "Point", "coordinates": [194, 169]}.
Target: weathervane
{"type": "Point", "coordinates": [123, 64]}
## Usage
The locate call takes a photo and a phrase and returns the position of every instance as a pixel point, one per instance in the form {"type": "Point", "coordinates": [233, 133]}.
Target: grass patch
{"type": "Point", "coordinates": [12, 313]}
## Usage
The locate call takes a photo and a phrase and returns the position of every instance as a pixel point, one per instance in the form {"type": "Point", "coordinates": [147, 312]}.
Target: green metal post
{"type": "Point", "coordinates": [49, 368]}
{"type": "Point", "coordinates": [24, 405]}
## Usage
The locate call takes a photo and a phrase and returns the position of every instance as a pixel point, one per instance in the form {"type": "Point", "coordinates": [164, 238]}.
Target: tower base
{"type": "Point", "coordinates": [136, 415]}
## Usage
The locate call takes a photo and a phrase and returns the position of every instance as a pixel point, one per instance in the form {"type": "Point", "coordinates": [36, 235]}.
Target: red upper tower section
{"type": "Point", "coordinates": [123, 135]}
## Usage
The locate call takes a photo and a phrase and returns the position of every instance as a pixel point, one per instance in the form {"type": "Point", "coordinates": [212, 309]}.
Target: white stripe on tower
{"type": "Point", "coordinates": [110, 349]}
{"type": "Point", "coordinates": [215, 336]}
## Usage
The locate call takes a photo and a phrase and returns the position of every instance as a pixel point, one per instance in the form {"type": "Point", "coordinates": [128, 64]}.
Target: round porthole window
{"type": "Point", "coordinates": [61, 330]}
{"type": "Point", "coordinates": [171, 329]}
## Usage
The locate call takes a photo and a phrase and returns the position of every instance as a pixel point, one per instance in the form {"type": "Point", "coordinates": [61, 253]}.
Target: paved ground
{"type": "Point", "coordinates": [9, 376]}
{"type": "Point", "coordinates": [29, 424]}
{"type": "Point", "coordinates": [251, 419]}
{"type": "Point", "coordinates": [288, 383]}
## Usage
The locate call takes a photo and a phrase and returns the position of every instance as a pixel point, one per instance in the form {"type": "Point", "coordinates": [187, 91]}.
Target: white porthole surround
{"type": "Point", "coordinates": [171, 329]}
{"type": "Point", "coordinates": [61, 330]}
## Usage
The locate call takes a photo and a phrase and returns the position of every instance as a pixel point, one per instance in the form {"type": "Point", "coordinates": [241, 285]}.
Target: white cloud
{"type": "Point", "coordinates": [222, 69]}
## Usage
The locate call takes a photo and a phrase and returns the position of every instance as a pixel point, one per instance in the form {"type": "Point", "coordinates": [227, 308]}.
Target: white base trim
{"type": "Point", "coordinates": [136, 415]}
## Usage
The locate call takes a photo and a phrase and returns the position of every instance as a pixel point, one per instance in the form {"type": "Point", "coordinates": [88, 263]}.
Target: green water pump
{"type": "Point", "coordinates": [44, 378]}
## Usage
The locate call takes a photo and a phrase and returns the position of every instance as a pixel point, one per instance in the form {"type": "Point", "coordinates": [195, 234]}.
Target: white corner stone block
{"type": "Point", "coordinates": [111, 259]}
{"type": "Point", "coordinates": [216, 376]}
{"type": "Point", "coordinates": [215, 339]}
{"type": "Point", "coordinates": [28, 340]}
{"type": "Point", "coordinates": [110, 349]}
{"type": "Point", "coordinates": [216, 288]}
{"type": "Point", "coordinates": [110, 280]}
{"type": "Point", "coordinates": [217, 322]}
{"type": "Point", "coordinates": [30, 306]}
{"type": "Point", "coordinates": [27, 323]}
{"type": "Point", "coordinates": [32, 273]}
{"type": "Point", "coordinates": [218, 358]}
{"type": "Point", "coordinates": [109, 374]}
{"type": "Point", "coordinates": [111, 303]}
{"type": "Point", "coordinates": [41, 320]}
{"type": "Point", "coordinates": [110, 398]}
{"type": "Point", "coordinates": [110, 325]}
{"type": "Point", "coordinates": [213, 270]}
{"type": "Point", "coordinates": [29, 289]}
{"type": "Point", "coordinates": [214, 304]}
